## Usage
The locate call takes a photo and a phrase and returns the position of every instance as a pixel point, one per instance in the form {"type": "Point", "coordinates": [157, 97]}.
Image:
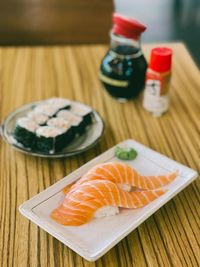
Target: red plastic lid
{"type": "Point", "coordinates": [161, 59]}
{"type": "Point", "coordinates": [127, 27]}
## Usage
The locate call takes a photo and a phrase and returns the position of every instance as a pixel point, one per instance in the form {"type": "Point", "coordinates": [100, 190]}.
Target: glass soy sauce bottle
{"type": "Point", "coordinates": [123, 69]}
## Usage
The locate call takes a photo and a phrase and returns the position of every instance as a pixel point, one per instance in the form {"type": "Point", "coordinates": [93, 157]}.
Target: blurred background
{"type": "Point", "coordinates": [37, 22]}
{"type": "Point", "coordinates": [167, 20]}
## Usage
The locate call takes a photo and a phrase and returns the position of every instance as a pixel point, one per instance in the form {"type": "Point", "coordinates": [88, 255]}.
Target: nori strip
{"type": "Point", "coordinates": [24, 137]}
{"type": "Point", "coordinates": [54, 144]}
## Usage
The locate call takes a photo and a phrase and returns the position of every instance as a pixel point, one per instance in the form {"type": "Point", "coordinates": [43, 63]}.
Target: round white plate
{"type": "Point", "coordinates": [81, 143]}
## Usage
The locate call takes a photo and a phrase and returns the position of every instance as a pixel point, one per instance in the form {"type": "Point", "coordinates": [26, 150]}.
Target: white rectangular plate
{"type": "Point", "coordinates": [95, 238]}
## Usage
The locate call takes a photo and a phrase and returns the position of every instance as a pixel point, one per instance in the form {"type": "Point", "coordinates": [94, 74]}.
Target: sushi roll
{"type": "Point", "coordinates": [62, 124]}
{"type": "Point", "coordinates": [37, 117]}
{"type": "Point", "coordinates": [60, 103]}
{"type": "Point", "coordinates": [24, 132]}
{"type": "Point", "coordinates": [76, 122]}
{"type": "Point", "coordinates": [51, 139]}
{"type": "Point", "coordinates": [46, 109]}
{"type": "Point", "coordinates": [59, 123]}
{"type": "Point", "coordinates": [82, 111]}
{"type": "Point", "coordinates": [52, 124]}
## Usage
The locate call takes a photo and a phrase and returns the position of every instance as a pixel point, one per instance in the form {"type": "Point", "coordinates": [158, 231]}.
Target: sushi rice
{"type": "Point", "coordinates": [46, 109]}
{"type": "Point", "coordinates": [59, 123]}
{"type": "Point", "coordinates": [59, 103]}
{"type": "Point", "coordinates": [38, 117]}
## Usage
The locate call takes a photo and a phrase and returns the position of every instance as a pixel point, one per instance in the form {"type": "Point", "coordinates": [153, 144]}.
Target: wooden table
{"type": "Point", "coordinates": [168, 238]}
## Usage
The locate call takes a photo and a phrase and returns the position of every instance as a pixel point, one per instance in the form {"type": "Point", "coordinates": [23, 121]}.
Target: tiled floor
{"type": "Point", "coordinates": [167, 20]}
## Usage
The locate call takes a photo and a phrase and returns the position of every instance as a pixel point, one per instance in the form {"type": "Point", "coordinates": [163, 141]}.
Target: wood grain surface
{"type": "Point", "coordinates": [168, 238]}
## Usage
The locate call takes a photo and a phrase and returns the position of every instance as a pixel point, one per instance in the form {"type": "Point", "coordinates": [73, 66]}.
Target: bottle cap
{"type": "Point", "coordinates": [127, 27]}
{"type": "Point", "coordinates": [161, 59]}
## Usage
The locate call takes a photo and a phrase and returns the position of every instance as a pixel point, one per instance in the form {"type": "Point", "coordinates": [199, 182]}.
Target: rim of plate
{"type": "Point", "coordinates": [7, 136]}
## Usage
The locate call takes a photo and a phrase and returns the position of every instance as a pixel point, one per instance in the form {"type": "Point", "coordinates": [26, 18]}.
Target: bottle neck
{"type": "Point", "coordinates": [124, 46]}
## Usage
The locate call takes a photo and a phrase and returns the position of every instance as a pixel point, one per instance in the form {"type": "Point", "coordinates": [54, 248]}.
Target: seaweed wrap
{"type": "Point", "coordinates": [62, 124]}
{"type": "Point", "coordinates": [24, 132]}
{"type": "Point", "coordinates": [82, 111]}
{"type": "Point", "coordinates": [51, 139]}
{"type": "Point", "coordinates": [76, 122]}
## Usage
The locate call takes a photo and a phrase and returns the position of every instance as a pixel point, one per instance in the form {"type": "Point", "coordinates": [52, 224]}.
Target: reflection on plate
{"type": "Point", "coordinates": [80, 143]}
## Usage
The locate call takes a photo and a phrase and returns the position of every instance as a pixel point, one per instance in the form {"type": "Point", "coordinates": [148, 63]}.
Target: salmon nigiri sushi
{"type": "Point", "coordinates": [124, 176]}
{"type": "Point", "coordinates": [97, 198]}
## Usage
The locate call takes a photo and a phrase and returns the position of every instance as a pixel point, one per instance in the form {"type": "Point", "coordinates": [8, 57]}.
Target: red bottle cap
{"type": "Point", "coordinates": [161, 59]}
{"type": "Point", "coordinates": [127, 27]}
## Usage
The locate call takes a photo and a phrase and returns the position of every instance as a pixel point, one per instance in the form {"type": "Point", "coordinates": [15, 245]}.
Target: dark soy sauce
{"type": "Point", "coordinates": [122, 72]}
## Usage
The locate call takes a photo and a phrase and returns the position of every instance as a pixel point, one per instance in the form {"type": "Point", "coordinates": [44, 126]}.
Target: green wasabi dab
{"type": "Point", "coordinates": [125, 153]}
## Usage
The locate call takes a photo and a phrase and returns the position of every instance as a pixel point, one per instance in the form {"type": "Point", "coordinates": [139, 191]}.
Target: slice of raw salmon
{"type": "Point", "coordinates": [80, 205]}
{"type": "Point", "coordinates": [121, 173]}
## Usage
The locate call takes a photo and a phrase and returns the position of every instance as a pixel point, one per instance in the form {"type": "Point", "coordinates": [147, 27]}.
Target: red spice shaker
{"type": "Point", "coordinates": [156, 98]}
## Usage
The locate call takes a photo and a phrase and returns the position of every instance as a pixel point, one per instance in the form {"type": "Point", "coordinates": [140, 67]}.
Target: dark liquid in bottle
{"type": "Point", "coordinates": [123, 74]}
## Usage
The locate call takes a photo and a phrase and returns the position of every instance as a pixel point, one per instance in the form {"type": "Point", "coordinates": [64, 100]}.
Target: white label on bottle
{"type": "Point", "coordinates": [153, 101]}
